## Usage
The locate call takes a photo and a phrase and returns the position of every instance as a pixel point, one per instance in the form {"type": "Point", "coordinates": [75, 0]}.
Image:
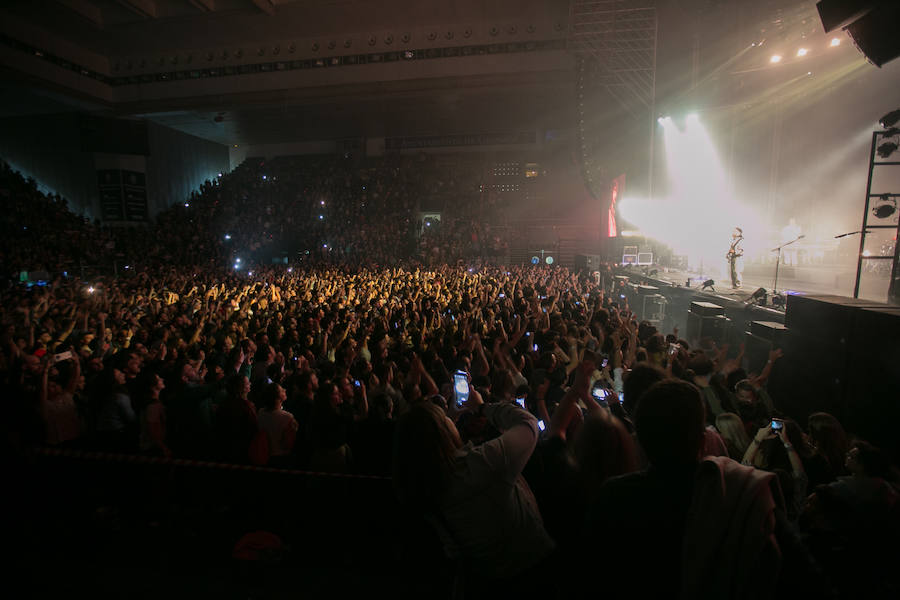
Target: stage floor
{"type": "Point", "coordinates": [794, 280]}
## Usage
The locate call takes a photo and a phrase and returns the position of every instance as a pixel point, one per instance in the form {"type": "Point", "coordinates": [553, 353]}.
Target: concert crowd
{"type": "Point", "coordinates": [523, 412]}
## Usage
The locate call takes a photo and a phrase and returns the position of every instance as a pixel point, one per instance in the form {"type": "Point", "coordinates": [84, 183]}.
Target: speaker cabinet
{"type": "Point", "coordinates": [871, 23]}
{"type": "Point", "coordinates": [763, 337]}
{"type": "Point", "coordinates": [715, 327]}
{"type": "Point", "coordinates": [706, 309]}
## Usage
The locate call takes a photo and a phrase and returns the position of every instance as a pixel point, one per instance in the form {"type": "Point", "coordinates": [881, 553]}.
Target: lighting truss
{"type": "Point", "coordinates": [620, 35]}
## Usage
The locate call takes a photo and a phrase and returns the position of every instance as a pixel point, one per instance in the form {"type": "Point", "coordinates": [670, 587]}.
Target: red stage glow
{"type": "Point", "coordinates": [617, 186]}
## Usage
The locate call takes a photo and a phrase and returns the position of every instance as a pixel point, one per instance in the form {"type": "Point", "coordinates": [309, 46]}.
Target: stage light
{"type": "Point", "coordinates": [187, 204]}
{"type": "Point", "coordinates": [264, 177]}
{"type": "Point", "coordinates": [776, 58]}
{"type": "Point", "coordinates": [321, 217]}
{"type": "Point", "coordinates": [290, 270]}
{"type": "Point", "coordinates": [890, 119]}
{"type": "Point", "coordinates": [237, 260]}
{"type": "Point", "coordinates": [802, 52]}
{"type": "Point", "coordinates": [227, 236]}
{"type": "Point", "coordinates": [759, 296]}
{"type": "Point", "coordinates": [708, 285]}
{"type": "Point", "coordinates": [886, 149]}
{"type": "Point", "coordinates": [835, 42]}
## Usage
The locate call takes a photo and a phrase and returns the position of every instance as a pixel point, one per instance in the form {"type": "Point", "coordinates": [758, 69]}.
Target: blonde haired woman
{"type": "Point", "coordinates": [731, 428]}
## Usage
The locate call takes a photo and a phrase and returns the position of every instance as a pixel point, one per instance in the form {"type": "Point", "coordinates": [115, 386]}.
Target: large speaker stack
{"type": "Point", "coordinates": [842, 355]}
{"type": "Point", "coordinates": [762, 338]}
{"type": "Point", "coordinates": [707, 320]}
{"type": "Point", "coordinates": [591, 262]}
{"type": "Point", "coordinates": [872, 24]}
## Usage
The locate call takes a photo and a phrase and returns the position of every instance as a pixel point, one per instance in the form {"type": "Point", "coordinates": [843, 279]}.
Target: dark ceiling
{"type": "Point", "coordinates": [115, 29]}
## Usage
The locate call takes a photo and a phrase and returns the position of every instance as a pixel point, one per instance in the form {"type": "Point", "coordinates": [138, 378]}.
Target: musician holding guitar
{"type": "Point", "coordinates": [735, 252]}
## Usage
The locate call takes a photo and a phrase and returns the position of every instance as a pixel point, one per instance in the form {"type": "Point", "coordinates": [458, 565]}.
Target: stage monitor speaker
{"type": "Point", "coordinates": [646, 290]}
{"type": "Point", "coordinates": [769, 330]}
{"type": "Point", "coordinates": [872, 24]}
{"type": "Point", "coordinates": [706, 309]}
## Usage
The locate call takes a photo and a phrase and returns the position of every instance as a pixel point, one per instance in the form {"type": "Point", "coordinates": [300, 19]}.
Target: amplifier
{"type": "Point", "coordinates": [706, 309]}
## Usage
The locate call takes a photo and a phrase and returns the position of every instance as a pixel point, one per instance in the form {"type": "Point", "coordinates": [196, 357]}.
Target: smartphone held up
{"type": "Point", "coordinates": [460, 388]}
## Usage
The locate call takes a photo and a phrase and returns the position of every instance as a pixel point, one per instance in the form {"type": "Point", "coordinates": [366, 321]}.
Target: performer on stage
{"type": "Point", "coordinates": [734, 257]}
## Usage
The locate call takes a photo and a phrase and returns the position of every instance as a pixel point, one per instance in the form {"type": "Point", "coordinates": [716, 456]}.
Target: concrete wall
{"type": "Point", "coordinates": [48, 148]}
{"type": "Point", "coordinates": [179, 163]}
{"type": "Point", "coordinates": [63, 157]}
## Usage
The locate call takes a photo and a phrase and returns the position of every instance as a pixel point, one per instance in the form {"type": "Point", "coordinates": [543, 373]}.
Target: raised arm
{"type": "Point", "coordinates": [508, 454]}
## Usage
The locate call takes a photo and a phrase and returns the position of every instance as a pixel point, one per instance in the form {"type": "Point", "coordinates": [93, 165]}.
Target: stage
{"type": "Point", "coordinates": [804, 280]}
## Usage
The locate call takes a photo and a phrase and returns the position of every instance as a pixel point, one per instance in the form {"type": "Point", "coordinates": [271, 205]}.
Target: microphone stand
{"type": "Point", "coordinates": [778, 249]}
{"type": "Point", "coordinates": [849, 233]}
